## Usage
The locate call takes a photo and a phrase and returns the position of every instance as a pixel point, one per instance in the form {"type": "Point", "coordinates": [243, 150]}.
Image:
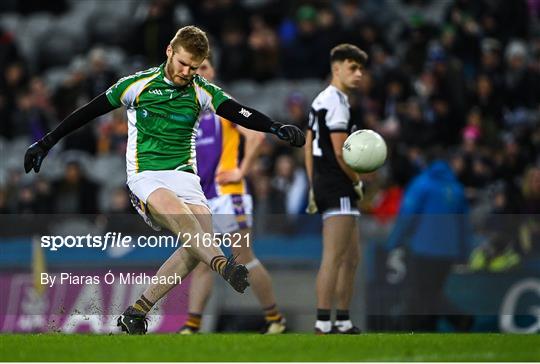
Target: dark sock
{"type": "Point", "coordinates": [143, 304]}
{"type": "Point", "coordinates": [323, 314]}
{"type": "Point", "coordinates": [218, 263]}
{"type": "Point", "coordinates": [194, 321]}
{"type": "Point", "coordinates": [272, 314]}
{"type": "Point", "coordinates": [342, 315]}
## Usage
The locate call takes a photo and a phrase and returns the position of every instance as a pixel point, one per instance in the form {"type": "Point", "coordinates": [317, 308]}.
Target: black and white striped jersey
{"type": "Point", "coordinates": [330, 112]}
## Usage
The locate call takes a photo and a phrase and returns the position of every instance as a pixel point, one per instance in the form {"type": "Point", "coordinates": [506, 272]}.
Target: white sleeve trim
{"type": "Point", "coordinates": [132, 91]}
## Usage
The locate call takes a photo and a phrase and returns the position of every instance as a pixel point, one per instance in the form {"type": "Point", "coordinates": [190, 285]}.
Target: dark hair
{"type": "Point", "coordinates": [351, 52]}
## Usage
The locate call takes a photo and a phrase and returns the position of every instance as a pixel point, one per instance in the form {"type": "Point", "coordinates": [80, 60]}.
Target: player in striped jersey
{"type": "Point", "coordinates": [222, 179]}
{"type": "Point", "coordinates": [336, 189]}
{"type": "Point", "coordinates": [163, 106]}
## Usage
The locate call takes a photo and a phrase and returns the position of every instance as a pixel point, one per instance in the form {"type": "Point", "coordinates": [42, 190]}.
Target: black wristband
{"type": "Point", "coordinates": [274, 128]}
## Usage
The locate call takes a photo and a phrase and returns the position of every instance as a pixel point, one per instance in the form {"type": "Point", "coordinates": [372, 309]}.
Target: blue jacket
{"type": "Point", "coordinates": [433, 217]}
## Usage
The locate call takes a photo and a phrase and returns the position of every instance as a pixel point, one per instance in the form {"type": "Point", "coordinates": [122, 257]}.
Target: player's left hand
{"type": "Point", "coordinates": [230, 176]}
{"type": "Point", "coordinates": [289, 133]}
{"type": "Point", "coordinates": [312, 206]}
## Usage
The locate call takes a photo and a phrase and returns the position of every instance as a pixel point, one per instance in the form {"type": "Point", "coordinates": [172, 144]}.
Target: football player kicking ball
{"type": "Point", "coordinates": [163, 106]}
{"type": "Point", "coordinates": [222, 180]}
{"type": "Point", "coordinates": [336, 190]}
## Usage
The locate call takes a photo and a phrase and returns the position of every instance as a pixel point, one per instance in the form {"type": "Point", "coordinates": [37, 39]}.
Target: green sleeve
{"type": "Point", "coordinates": [115, 92]}
{"type": "Point", "coordinates": [210, 95]}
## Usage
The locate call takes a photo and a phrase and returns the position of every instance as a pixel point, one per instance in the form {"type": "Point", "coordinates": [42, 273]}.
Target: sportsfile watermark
{"type": "Point", "coordinates": [119, 240]}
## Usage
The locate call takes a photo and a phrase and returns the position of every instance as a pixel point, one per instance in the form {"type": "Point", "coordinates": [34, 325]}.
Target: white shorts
{"type": "Point", "coordinates": [185, 185]}
{"type": "Point", "coordinates": [231, 212]}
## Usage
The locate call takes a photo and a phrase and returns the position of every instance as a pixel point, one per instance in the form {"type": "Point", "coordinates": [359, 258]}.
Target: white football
{"type": "Point", "coordinates": [364, 151]}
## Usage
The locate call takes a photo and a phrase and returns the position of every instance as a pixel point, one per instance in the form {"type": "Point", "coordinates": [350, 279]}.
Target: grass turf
{"type": "Point", "coordinates": [289, 347]}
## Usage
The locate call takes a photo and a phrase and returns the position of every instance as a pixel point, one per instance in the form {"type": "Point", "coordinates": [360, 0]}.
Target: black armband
{"type": "Point", "coordinates": [97, 107]}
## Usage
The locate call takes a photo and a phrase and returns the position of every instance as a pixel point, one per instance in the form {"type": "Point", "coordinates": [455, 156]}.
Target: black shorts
{"type": "Point", "coordinates": [335, 198]}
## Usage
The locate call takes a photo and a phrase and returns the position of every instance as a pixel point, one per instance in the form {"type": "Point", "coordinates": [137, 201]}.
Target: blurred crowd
{"type": "Point", "coordinates": [462, 74]}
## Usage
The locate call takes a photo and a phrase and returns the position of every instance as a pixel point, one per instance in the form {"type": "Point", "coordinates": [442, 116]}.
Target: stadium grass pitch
{"type": "Point", "coordinates": [288, 347]}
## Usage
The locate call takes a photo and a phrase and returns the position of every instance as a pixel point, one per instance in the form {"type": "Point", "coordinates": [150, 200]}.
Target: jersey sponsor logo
{"type": "Point", "coordinates": [145, 113]}
{"type": "Point", "coordinates": [245, 113]}
{"type": "Point", "coordinates": [156, 91]}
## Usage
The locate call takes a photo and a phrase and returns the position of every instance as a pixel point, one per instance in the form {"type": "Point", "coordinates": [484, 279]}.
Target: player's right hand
{"type": "Point", "coordinates": [359, 189]}
{"type": "Point", "coordinates": [34, 156]}
{"type": "Point", "coordinates": [312, 206]}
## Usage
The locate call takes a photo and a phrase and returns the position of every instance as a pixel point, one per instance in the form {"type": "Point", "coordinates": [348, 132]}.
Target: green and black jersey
{"type": "Point", "coordinates": [162, 118]}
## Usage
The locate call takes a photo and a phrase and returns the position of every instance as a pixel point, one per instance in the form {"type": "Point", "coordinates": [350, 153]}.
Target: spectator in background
{"type": "Point", "coordinates": [530, 227]}
{"type": "Point", "coordinates": [14, 80]}
{"type": "Point", "coordinates": [298, 56]}
{"type": "Point", "coordinates": [9, 56]}
{"type": "Point", "coordinates": [461, 35]}
{"type": "Point", "coordinates": [264, 51]}
{"type": "Point", "coordinates": [471, 166]}
{"type": "Point", "coordinates": [41, 95]}
{"type": "Point", "coordinates": [488, 101]}
{"type": "Point", "coordinates": [13, 183]}
{"type": "Point", "coordinates": [414, 45]}
{"type": "Point", "coordinates": [449, 95]}
{"type": "Point", "coordinates": [73, 92]}
{"type": "Point", "coordinates": [99, 77]}
{"type": "Point", "coordinates": [113, 133]}
{"type": "Point", "coordinates": [151, 37]}
{"type": "Point", "coordinates": [351, 17]}
{"type": "Point", "coordinates": [235, 60]}
{"type": "Point", "coordinates": [517, 79]}
{"type": "Point", "coordinates": [3, 202]}
{"type": "Point", "coordinates": [415, 130]}
{"type": "Point", "coordinates": [43, 195]}
{"type": "Point", "coordinates": [396, 93]}
{"type": "Point", "coordinates": [330, 32]}
{"type": "Point", "coordinates": [500, 250]}
{"type": "Point", "coordinates": [211, 14]}
{"type": "Point", "coordinates": [289, 185]}
{"type": "Point", "coordinates": [491, 61]}
{"type": "Point", "coordinates": [9, 52]}
{"type": "Point", "coordinates": [296, 106]}
{"type": "Point", "coordinates": [28, 119]}
{"type": "Point", "coordinates": [26, 199]}
{"type": "Point", "coordinates": [74, 193]}
{"type": "Point", "coordinates": [431, 227]}
{"type": "Point", "coordinates": [510, 162]}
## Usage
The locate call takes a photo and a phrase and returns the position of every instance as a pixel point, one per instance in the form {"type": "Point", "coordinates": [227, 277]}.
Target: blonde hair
{"type": "Point", "coordinates": [193, 40]}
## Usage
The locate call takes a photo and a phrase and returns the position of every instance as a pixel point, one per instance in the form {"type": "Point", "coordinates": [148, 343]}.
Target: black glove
{"type": "Point", "coordinates": [35, 155]}
{"type": "Point", "coordinates": [289, 133]}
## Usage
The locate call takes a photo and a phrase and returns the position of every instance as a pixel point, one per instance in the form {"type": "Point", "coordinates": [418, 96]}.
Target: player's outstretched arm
{"type": "Point", "coordinates": [255, 120]}
{"type": "Point", "coordinates": [36, 152]}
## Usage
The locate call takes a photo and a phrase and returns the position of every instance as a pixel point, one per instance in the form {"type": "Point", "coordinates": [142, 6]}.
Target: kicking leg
{"type": "Point", "coordinates": [194, 221]}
